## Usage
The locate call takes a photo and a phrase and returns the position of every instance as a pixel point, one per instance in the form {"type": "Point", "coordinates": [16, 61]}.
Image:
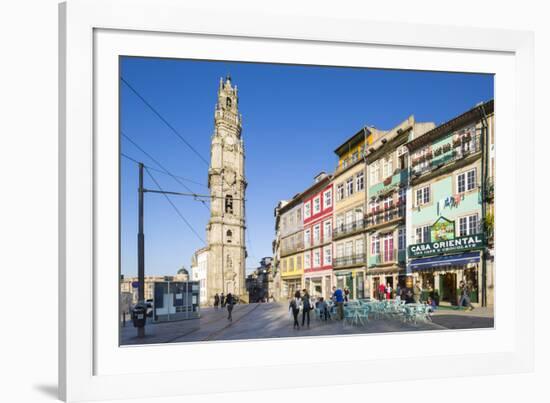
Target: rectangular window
{"type": "Point", "coordinates": [423, 196]}
{"type": "Point", "coordinates": [423, 234]}
{"type": "Point", "coordinates": [327, 230]}
{"type": "Point", "coordinates": [388, 248]}
{"type": "Point", "coordinates": [307, 210]}
{"type": "Point", "coordinates": [340, 191]}
{"type": "Point", "coordinates": [327, 199]}
{"type": "Point", "coordinates": [340, 250]}
{"type": "Point", "coordinates": [374, 173]}
{"type": "Point", "coordinates": [354, 156]}
{"type": "Point", "coordinates": [316, 205]}
{"type": "Point", "coordinates": [468, 225]}
{"type": "Point", "coordinates": [298, 262]}
{"type": "Point", "coordinates": [317, 258]}
{"type": "Point", "coordinates": [349, 249]}
{"type": "Point", "coordinates": [359, 247]}
{"type": "Point", "coordinates": [349, 186]}
{"type": "Point", "coordinates": [307, 260]}
{"type": "Point", "coordinates": [360, 182]}
{"type": "Point", "coordinates": [466, 181]}
{"type": "Point", "coordinates": [375, 245]}
{"type": "Point", "coordinates": [327, 256]}
{"type": "Point", "coordinates": [298, 215]}
{"type": "Point", "coordinates": [307, 238]}
{"type": "Point", "coordinates": [349, 217]}
{"type": "Point", "coordinates": [340, 223]}
{"type": "Point", "coordinates": [316, 234]}
{"type": "Point", "coordinates": [401, 238]}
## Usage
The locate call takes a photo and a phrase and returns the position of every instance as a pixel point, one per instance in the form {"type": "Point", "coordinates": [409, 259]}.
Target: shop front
{"type": "Point", "coordinates": [319, 284]}
{"type": "Point", "coordinates": [290, 285]}
{"type": "Point", "coordinates": [393, 276]}
{"type": "Point", "coordinates": [440, 276]}
{"type": "Point", "coordinates": [352, 280]}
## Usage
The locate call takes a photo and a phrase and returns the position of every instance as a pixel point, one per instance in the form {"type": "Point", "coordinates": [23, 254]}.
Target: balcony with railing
{"type": "Point", "coordinates": [446, 154]}
{"type": "Point", "coordinates": [351, 260]}
{"type": "Point", "coordinates": [292, 248]}
{"type": "Point", "coordinates": [389, 215]}
{"type": "Point", "coordinates": [343, 230]}
{"type": "Point", "coordinates": [388, 257]}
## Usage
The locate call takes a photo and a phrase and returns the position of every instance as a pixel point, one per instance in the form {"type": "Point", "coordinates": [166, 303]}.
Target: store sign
{"type": "Point", "coordinates": [460, 244]}
{"type": "Point", "coordinates": [443, 230]}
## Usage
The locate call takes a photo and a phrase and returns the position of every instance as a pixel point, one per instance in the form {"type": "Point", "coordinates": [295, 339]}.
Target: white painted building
{"type": "Point", "coordinates": [199, 267]}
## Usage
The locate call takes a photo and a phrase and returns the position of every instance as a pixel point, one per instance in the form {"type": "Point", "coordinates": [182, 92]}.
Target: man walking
{"type": "Point", "coordinates": [222, 300]}
{"type": "Point", "coordinates": [338, 297]}
{"type": "Point", "coordinates": [306, 307]}
{"type": "Point", "coordinates": [229, 301]}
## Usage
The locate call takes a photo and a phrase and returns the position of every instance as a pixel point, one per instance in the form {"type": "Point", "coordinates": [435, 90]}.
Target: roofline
{"type": "Point", "coordinates": [299, 198]}
{"type": "Point", "coordinates": [352, 140]}
{"type": "Point", "coordinates": [467, 117]}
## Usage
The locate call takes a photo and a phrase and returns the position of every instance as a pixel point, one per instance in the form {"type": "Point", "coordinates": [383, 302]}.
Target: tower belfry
{"type": "Point", "coordinates": [227, 184]}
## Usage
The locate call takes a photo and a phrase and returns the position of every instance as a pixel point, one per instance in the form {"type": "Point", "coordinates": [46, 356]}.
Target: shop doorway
{"type": "Point", "coordinates": [448, 288]}
{"type": "Point", "coordinates": [471, 279]}
{"type": "Point", "coordinates": [375, 285]}
{"type": "Point", "coordinates": [360, 285]}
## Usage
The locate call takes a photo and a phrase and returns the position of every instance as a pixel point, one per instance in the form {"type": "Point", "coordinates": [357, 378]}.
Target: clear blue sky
{"type": "Point", "coordinates": [293, 119]}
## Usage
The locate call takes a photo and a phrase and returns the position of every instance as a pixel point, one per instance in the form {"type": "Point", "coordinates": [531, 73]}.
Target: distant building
{"type": "Point", "coordinates": [257, 283]}
{"type": "Point", "coordinates": [129, 285]}
{"type": "Point", "coordinates": [199, 268]}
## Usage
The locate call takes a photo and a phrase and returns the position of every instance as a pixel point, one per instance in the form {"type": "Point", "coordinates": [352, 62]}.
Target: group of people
{"type": "Point", "coordinates": [303, 301]}
{"type": "Point", "coordinates": [225, 301]}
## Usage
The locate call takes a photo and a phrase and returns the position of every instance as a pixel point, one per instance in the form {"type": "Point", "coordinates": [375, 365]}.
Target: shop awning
{"type": "Point", "coordinates": [448, 260]}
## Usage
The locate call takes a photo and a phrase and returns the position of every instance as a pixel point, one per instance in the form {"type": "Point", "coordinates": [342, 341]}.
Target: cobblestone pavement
{"type": "Point", "coordinates": [255, 321]}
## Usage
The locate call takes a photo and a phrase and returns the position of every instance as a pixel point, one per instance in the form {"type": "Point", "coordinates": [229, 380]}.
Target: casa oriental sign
{"type": "Point", "coordinates": [459, 244]}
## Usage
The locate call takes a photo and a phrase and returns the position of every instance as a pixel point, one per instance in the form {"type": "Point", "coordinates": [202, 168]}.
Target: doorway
{"type": "Point", "coordinates": [375, 285]}
{"type": "Point", "coordinates": [448, 288]}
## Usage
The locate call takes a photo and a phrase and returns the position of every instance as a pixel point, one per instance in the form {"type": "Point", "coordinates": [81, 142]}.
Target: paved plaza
{"type": "Point", "coordinates": [272, 320]}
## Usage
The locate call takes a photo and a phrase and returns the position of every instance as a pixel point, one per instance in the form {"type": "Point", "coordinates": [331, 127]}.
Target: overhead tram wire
{"type": "Point", "coordinates": [157, 113]}
{"type": "Point", "coordinates": [162, 172]}
{"type": "Point", "coordinates": [161, 166]}
{"type": "Point", "coordinates": [165, 194]}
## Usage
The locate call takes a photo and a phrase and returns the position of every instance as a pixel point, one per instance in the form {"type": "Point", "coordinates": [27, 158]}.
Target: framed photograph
{"type": "Point", "coordinates": [239, 201]}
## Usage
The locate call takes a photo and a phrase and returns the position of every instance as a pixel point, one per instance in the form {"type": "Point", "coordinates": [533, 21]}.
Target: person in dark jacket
{"type": "Point", "coordinates": [294, 306]}
{"type": "Point", "coordinates": [216, 301]}
{"type": "Point", "coordinates": [222, 300]}
{"type": "Point", "coordinates": [229, 301]}
{"type": "Point", "coordinates": [306, 307]}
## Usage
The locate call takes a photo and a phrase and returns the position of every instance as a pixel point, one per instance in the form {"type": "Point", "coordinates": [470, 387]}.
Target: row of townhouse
{"type": "Point", "coordinates": [407, 205]}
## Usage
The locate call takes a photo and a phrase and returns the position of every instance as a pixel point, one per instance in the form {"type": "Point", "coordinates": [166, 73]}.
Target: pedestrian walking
{"type": "Point", "coordinates": [338, 297]}
{"type": "Point", "coordinates": [306, 307]}
{"type": "Point", "coordinates": [216, 301]}
{"type": "Point", "coordinates": [294, 308]}
{"type": "Point", "coordinates": [229, 301]}
{"type": "Point", "coordinates": [222, 300]}
{"type": "Point", "coordinates": [465, 296]}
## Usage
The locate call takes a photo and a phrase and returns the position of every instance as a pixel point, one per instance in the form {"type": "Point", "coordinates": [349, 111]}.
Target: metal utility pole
{"type": "Point", "coordinates": [141, 248]}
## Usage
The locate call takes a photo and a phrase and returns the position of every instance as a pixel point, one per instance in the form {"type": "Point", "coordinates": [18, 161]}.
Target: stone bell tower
{"type": "Point", "coordinates": [227, 184]}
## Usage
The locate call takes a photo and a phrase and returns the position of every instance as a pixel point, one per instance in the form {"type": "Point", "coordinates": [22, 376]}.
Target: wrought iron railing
{"type": "Point", "coordinates": [385, 215]}
{"type": "Point", "coordinates": [446, 154]}
{"type": "Point", "coordinates": [349, 228]}
{"type": "Point", "coordinates": [349, 260]}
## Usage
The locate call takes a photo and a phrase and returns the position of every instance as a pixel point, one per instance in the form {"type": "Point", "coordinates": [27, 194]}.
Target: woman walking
{"type": "Point", "coordinates": [294, 307]}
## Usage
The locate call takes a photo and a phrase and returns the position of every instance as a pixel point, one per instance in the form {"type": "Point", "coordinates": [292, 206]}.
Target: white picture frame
{"type": "Point", "coordinates": [93, 32]}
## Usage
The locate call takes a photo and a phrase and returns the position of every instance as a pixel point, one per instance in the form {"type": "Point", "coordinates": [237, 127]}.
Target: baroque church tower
{"type": "Point", "coordinates": [227, 184]}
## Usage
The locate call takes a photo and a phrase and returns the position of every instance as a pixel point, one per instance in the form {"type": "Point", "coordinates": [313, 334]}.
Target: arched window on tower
{"type": "Point", "coordinates": [228, 102]}
{"type": "Point", "coordinates": [228, 235]}
{"type": "Point", "coordinates": [229, 204]}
